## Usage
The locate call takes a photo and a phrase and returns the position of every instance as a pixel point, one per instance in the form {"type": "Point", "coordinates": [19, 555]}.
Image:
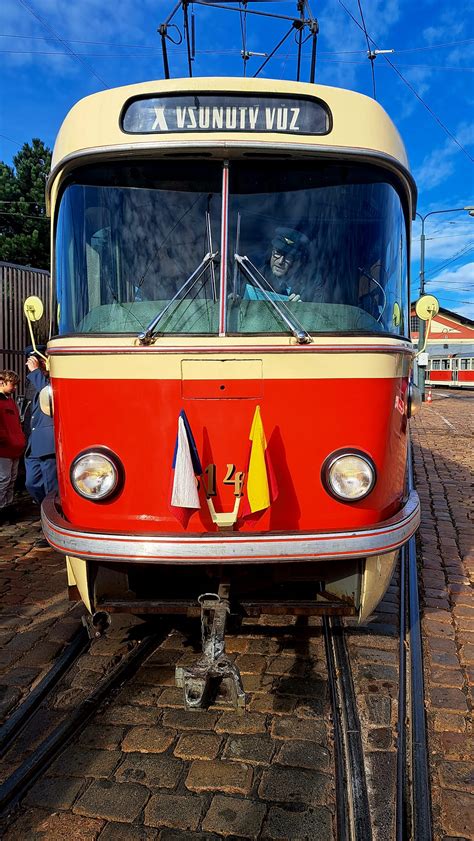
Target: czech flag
{"type": "Point", "coordinates": [186, 466]}
{"type": "Point", "coordinates": [262, 488]}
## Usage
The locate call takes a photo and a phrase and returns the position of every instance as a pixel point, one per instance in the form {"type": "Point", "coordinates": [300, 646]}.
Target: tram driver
{"type": "Point", "coordinates": [284, 266]}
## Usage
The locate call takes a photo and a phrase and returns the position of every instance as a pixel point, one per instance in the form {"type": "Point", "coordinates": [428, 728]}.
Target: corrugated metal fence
{"type": "Point", "coordinates": [16, 283]}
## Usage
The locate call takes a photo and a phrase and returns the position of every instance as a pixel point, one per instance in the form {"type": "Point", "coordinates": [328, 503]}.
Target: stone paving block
{"type": "Point", "coordinates": [52, 793]}
{"type": "Point", "coordinates": [175, 811]}
{"type": "Point", "coordinates": [158, 675]}
{"type": "Point", "coordinates": [129, 714]}
{"type": "Point", "coordinates": [36, 825]}
{"type": "Point", "coordinates": [106, 737]}
{"type": "Point", "coordinates": [150, 769]}
{"type": "Point", "coordinates": [288, 664]}
{"type": "Point", "coordinates": [251, 663]}
{"type": "Point", "coordinates": [248, 723]}
{"type": "Point", "coordinates": [256, 750]}
{"type": "Point", "coordinates": [447, 698]}
{"type": "Point", "coordinates": [9, 696]}
{"type": "Point", "coordinates": [126, 832]}
{"type": "Point", "coordinates": [303, 755]}
{"type": "Point", "coordinates": [278, 705]}
{"type": "Point", "coordinates": [457, 809]}
{"type": "Point", "coordinates": [231, 816]}
{"type": "Point", "coordinates": [459, 775]}
{"type": "Point", "coordinates": [64, 826]}
{"type": "Point", "coordinates": [218, 775]}
{"type": "Point", "coordinates": [183, 835]}
{"type": "Point", "coordinates": [380, 738]}
{"type": "Point", "coordinates": [283, 825]}
{"type": "Point", "coordinates": [147, 696]}
{"type": "Point", "coordinates": [300, 729]}
{"type": "Point", "coordinates": [148, 740]}
{"type": "Point", "coordinates": [113, 801]}
{"type": "Point", "coordinates": [198, 746]}
{"type": "Point", "coordinates": [183, 720]}
{"type": "Point", "coordinates": [76, 762]}
{"type": "Point", "coordinates": [283, 785]}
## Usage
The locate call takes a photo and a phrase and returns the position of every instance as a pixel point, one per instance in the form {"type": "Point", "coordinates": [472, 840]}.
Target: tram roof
{"type": "Point", "coordinates": [358, 125]}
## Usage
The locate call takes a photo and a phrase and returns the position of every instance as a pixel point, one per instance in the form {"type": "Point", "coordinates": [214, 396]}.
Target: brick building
{"type": "Point", "coordinates": [450, 333]}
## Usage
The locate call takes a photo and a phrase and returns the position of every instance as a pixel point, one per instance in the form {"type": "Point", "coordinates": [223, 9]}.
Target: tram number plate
{"type": "Point", "coordinates": [230, 112]}
{"type": "Point", "coordinates": [232, 477]}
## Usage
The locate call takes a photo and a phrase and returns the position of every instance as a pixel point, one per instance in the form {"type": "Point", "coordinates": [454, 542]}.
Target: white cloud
{"type": "Point", "coordinates": [440, 164]}
{"type": "Point", "coordinates": [453, 285]}
{"type": "Point", "coordinates": [446, 235]}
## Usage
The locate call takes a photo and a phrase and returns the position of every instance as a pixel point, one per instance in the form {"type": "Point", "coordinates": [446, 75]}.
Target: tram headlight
{"type": "Point", "coordinates": [96, 474]}
{"type": "Point", "coordinates": [349, 476]}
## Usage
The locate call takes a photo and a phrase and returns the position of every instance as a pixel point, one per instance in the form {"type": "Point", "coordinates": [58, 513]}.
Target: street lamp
{"type": "Point", "coordinates": [421, 333]}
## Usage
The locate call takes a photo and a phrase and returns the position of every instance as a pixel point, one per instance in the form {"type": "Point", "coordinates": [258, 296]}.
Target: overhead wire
{"type": "Point", "coordinates": [425, 105]}
{"type": "Point", "coordinates": [152, 47]}
{"type": "Point", "coordinates": [370, 55]}
{"type": "Point", "coordinates": [65, 44]}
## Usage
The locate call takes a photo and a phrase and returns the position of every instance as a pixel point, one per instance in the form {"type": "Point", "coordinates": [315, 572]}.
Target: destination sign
{"type": "Point", "coordinates": [226, 112]}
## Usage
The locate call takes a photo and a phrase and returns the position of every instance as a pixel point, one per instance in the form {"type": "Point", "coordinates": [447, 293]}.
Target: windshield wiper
{"type": "Point", "coordinates": [146, 337]}
{"type": "Point", "coordinates": [300, 334]}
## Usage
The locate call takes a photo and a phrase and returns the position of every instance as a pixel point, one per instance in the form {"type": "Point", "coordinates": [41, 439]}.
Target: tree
{"type": "Point", "coordinates": [24, 226]}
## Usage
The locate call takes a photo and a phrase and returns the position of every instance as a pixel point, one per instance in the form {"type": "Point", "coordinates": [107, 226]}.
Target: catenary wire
{"type": "Point", "coordinates": [428, 108]}
{"type": "Point", "coordinates": [65, 44]}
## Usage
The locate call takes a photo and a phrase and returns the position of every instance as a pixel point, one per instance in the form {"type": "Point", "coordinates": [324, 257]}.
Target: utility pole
{"type": "Point", "coordinates": [422, 324]}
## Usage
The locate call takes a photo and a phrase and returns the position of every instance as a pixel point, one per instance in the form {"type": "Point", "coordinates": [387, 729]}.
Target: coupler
{"type": "Point", "coordinates": [214, 678]}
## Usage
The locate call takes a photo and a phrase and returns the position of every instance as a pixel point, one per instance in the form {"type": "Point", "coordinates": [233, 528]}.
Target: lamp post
{"type": "Point", "coordinates": [422, 325]}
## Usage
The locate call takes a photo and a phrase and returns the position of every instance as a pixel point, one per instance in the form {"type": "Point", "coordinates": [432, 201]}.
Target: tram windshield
{"type": "Point", "coordinates": [325, 243]}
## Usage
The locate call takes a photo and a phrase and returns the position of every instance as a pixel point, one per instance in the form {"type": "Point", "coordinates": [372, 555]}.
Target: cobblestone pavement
{"type": "Point", "coordinates": [146, 769]}
{"type": "Point", "coordinates": [442, 437]}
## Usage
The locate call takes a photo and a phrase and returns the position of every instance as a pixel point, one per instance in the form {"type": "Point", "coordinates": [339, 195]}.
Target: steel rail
{"type": "Point", "coordinates": [413, 807]}
{"type": "Point", "coordinates": [421, 792]}
{"type": "Point", "coordinates": [352, 801]}
{"type": "Point", "coordinates": [401, 810]}
{"type": "Point", "coordinates": [28, 772]}
{"type": "Point", "coordinates": [21, 716]}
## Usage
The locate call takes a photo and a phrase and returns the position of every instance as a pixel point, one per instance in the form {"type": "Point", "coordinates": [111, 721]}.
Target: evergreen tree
{"type": "Point", "coordinates": [24, 226]}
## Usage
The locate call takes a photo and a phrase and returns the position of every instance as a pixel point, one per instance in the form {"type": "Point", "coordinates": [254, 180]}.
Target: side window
{"type": "Point", "coordinates": [445, 364]}
{"type": "Point", "coordinates": [435, 364]}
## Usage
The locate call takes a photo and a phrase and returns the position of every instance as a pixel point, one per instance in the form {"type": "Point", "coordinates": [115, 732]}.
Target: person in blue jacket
{"type": "Point", "coordinates": [40, 456]}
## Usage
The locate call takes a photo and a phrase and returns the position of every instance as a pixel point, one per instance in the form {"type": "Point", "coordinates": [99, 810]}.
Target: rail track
{"type": "Point", "coordinates": [328, 670]}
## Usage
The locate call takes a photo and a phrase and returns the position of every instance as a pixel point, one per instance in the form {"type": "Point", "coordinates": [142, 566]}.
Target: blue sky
{"type": "Point", "coordinates": [117, 44]}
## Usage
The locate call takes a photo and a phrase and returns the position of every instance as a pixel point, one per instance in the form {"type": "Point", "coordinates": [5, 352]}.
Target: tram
{"type": "Point", "coordinates": [230, 375]}
{"type": "Point", "coordinates": [456, 371]}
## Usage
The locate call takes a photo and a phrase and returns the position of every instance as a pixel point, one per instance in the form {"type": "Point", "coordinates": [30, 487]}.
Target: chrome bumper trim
{"type": "Point", "coordinates": [236, 548]}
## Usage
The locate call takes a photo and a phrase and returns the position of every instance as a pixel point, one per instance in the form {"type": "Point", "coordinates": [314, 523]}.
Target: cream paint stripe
{"type": "Point", "coordinates": [83, 342]}
{"type": "Point", "coordinates": [271, 366]}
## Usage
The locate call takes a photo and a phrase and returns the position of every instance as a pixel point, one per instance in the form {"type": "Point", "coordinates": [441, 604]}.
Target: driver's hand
{"type": "Point", "coordinates": [294, 297]}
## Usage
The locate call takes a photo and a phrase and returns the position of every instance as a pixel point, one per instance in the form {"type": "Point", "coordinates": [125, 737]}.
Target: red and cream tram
{"type": "Point", "coordinates": [455, 371]}
{"type": "Point", "coordinates": [230, 377]}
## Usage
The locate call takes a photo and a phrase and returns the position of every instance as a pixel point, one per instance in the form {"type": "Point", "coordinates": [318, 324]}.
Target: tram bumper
{"type": "Point", "coordinates": [234, 548]}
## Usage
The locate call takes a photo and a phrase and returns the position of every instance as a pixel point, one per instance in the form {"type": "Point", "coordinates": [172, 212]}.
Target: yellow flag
{"type": "Point", "coordinates": [258, 492]}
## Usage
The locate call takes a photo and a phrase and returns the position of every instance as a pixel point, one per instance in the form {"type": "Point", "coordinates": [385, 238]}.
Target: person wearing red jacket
{"type": "Point", "coordinates": [12, 441]}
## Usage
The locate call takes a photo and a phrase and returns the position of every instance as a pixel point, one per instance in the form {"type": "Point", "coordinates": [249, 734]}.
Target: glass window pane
{"type": "Point", "coordinates": [327, 243]}
{"type": "Point", "coordinates": [128, 237]}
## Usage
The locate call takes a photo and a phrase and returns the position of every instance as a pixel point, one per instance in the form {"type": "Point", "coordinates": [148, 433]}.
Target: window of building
{"type": "Point", "coordinates": [414, 324]}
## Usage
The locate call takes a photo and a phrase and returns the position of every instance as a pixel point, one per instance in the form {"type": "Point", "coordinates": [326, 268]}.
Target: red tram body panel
{"type": "Point", "coordinates": [231, 377]}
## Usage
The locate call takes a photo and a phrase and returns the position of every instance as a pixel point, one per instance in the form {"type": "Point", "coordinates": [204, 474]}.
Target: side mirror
{"type": "Point", "coordinates": [46, 400]}
{"type": "Point", "coordinates": [427, 307]}
{"type": "Point", "coordinates": [33, 309]}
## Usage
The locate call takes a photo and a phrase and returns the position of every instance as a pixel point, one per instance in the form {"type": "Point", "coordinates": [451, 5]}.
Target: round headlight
{"type": "Point", "coordinates": [94, 475]}
{"type": "Point", "coordinates": [349, 476]}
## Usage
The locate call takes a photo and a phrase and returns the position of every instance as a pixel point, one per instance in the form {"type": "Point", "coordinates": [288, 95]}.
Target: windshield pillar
{"type": "Point", "coordinates": [224, 242]}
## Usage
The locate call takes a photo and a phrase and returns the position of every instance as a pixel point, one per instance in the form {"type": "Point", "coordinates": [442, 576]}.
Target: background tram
{"type": "Point", "coordinates": [220, 423]}
{"type": "Point", "coordinates": [455, 371]}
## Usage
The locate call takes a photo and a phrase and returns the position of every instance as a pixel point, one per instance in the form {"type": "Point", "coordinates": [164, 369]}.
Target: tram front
{"type": "Point", "coordinates": [231, 372]}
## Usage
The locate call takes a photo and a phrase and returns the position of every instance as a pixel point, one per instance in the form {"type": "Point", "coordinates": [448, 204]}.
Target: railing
{"type": "Point", "coordinates": [16, 283]}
